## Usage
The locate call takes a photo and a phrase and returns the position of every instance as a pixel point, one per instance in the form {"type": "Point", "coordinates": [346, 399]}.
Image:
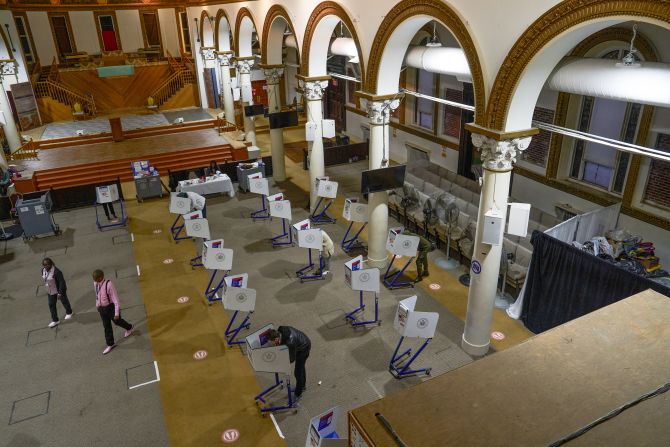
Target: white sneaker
{"type": "Point", "coordinates": [68, 316]}
{"type": "Point", "coordinates": [54, 323]}
{"type": "Point", "coordinates": [325, 272]}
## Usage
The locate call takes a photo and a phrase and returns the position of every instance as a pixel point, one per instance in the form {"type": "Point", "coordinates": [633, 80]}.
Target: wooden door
{"type": "Point", "coordinates": [259, 90]}
{"type": "Point", "coordinates": [336, 95]}
{"type": "Point", "coordinates": [108, 33]}
{"type": "Point", "coordinates": [62, 35]}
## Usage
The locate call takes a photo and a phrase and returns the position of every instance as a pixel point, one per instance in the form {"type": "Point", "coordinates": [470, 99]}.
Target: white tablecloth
{"type": "Point", "coordinates": [219, 185]}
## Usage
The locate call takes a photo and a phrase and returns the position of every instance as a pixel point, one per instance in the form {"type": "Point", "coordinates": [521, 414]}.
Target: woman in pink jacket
{"type": "Point", "coordinates": [107, 303]}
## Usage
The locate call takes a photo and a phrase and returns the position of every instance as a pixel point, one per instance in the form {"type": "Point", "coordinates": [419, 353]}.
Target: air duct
{"type": "Point", "coordinates": [642, 83]}
{"type": "Point", "coordinates": [290, 41]}
{"type": "Point", "coordinates": [344, 46]}
{"type": "Point", "coordinates": [438, 59]}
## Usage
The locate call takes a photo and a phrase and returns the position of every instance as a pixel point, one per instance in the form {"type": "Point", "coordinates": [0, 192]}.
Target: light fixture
{"type": "Point", "coordinates": [629, 59]}
{"type": "Point", "coordinates": [434, 41]}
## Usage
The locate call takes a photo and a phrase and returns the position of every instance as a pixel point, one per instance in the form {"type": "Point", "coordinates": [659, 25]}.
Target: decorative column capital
{"type": "Point", "coordinates": [208, 53]}
{"type": "Point", "coordinates": [226, 58]}
{"type": "Point", "coordinates": [8, 67]}
{"type": "Point", "coordinates": [244, 66]}
{"type": "Point", "coordinates": [273, 75]}
{"type": "Point", "coordinates": [313, 90]}
{"type": "Point", "coordinates": [379, 112]}
{"type": "Point", "coordinates": [499, 155]}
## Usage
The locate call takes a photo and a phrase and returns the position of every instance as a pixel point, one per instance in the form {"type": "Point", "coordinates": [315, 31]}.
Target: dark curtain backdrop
{"type": "Point", "coordinates": [565, 283]}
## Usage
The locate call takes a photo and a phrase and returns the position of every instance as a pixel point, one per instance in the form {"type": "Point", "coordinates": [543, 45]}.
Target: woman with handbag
{"type": "Point", "coordinates": [54, 282]}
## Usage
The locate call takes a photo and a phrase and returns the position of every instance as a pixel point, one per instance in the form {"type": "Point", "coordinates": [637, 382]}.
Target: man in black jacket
{"type": "Point", "coordinates": [298, 350]}
{"type": "Point", "coordinates": [54, 282]}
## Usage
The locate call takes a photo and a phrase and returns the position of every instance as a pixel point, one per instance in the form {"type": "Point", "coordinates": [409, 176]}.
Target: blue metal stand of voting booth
{"type": "Point", "coordinates": [411, 324]}
{"type": "Point", "coordinates": [271, 359]}
{"type": "Point", "coordinates": [326, 191]}
{"type": "Point", "coordinates": [259, 185]}
{"type": "Point", "coordinates": [310, 239]}
{"type": "Point", "coordinates": [179, 206]}
{"type": "Point", "coordinates": [281, 208]}
{"type": "Point", "coordinates": [322, 430]}
{"type": "Point", "coordinates": [238, 299]}
{"type": "Point", "coordinates": [399, 245]}
{"type": "Point", "coordinates": [362, 280]}
{"type": "Point", "coordinates": [198, 229]}
{"type": "Point", "coordinates": [353, 211]}
{"type": "Point", "coordinates": [109, 194]}
{"type": "Point", "coordinates": [219, 260]}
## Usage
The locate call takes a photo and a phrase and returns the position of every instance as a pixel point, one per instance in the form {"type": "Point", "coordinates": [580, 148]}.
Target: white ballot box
{"type": "Point", "coordinates": [326, 189]}
{"type": "Point", "coordinates": [359, 278]}
{"type": "Point", "coordinates": [409, 323]}
{"type": "Point", "coordinates": [276, 197]}
{"type": "Point", "coordinates": [179, 205]}
{"type": "Point", "coordinates": [107, 193]}
{"type": "Point", "coordinates": [354, 211]}
{"type": "Point", "coordinates": [239, 298]}
{"type": "Point", "coordinates": [302, 225]}
{"type": "Point", "coordinates": [197, 228]}
{"type": "Point", "coordinates": [259, 185]}
{"type": "Point", "coordinates": [281, 209]}
{"type": "Point", "coordinates": [310, 238]}
{"type": "Point", "coordinates": [239, 280]}
{"type": "Point", "coordinates": [322, 430]}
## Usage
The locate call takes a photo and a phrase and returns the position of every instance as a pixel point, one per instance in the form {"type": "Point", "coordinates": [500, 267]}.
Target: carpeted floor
{"type": "Point", "coordinates": [101, 125]}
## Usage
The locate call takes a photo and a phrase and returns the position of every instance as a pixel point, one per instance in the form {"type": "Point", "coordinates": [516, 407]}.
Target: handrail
{"type": "Point", "coordinates": [64, 94]}
{"type": "Point", "coordinates": [53, 71]}
{"type": "Point", "coordinates": [26, 152]}
{"type": "Point", "coordinates": [168, 88]}
{"type": "Point", "coordinates": [223, 125]}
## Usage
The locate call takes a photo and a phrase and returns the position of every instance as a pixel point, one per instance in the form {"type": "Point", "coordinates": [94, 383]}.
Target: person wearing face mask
{"type": "Point", "coordinates": [54, 282]}
{"type": "Point", "coordinates": [107, 303]}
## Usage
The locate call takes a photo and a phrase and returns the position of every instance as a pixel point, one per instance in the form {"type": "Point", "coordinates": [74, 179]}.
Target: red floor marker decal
{"type": "Point", "coordinates": [183, 299]}
{"type": "Point", "coordinates": [435, 286]}
{"type": "Point", "coordinates": [168, 261]}
{"type": "Point", "coordinates": [497, 335]}
{"type": "Point", "coordinates": [199, 355]}
{"type": "Point", "coordinates": [230, 435]}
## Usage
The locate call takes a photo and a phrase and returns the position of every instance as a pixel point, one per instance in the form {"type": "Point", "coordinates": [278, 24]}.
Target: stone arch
{"type": "Point", "coordinates": [273, 35]}
{"type": "Point", "coordinates": [206, 30]}
{"type": "Point", "coordinates": [245, 25]}
{"type": "Point", "coordinates": [399, 27]}
{"type": "Point", "coordinates": [320, 26]}
{"type": "Point", "coordinates": [222, 31]}
{"type": "Point", "coordinates": [538, 50]}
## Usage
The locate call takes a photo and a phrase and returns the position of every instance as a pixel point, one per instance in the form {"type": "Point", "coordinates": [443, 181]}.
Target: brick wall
{"type": "Point", "coordinates": [658, 185]}
{"type": "Point", "coordinates": [452, 115]}
{"type": "Point", "coordinates": [538, 151]}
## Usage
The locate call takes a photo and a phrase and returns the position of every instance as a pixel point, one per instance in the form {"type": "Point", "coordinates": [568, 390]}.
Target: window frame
{"type": "Point", "coordinates": [29, 34]}
{"type": "Point", "coordinates": [184, 38]}
{"type": "Point", "coordinates": [144, 29]}
{"type": "Point", "coordinates": [68, 26]}
{"type": "Point", "coordinates": [98, 27]}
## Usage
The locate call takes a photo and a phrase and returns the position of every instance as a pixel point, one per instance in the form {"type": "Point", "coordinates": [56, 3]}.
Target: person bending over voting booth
{"type": "Point", "coordinates": [198, 202]}
{"type": "Point", "coordinates": [425, 247]}
{"type": "Point", "coordinates": [328, 249]}
{"type": "Point", "coordinates": [299, 346]}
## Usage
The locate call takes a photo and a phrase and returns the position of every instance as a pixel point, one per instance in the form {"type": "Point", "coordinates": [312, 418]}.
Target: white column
{"type": "Point", "coordinates": [313, 91]}
{"type": "Point", "coordinates": [226, 86]}
{"type": "Point", "coordinates": [272, 77]}
{"type": "Point", "coordinates": [379, 113]}
{"type": "Point", "coordinates": [8, 68]}
{"type": "Point", "coordinates": [498, 158]}
{"type": "Point", "coordinates": [244, 69]}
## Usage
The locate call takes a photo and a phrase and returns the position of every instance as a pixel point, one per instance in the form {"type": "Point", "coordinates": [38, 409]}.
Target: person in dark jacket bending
{"type": "Point", "coordinates": [54, 282]}
{"type": "Point", "coordinates": [298, 350]}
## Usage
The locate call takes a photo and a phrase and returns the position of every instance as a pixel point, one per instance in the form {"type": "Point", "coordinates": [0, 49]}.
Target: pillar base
{"type": "Point", "coordinates": [474, 350]}
{"type": "Point", "coordinates": [379, 263]}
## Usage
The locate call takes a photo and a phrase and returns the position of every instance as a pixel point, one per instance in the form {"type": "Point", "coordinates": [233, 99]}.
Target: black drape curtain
{"type": "Point", "coordinates": [465, 147]}
{"type": "Point", "coordinates": [565, 283]}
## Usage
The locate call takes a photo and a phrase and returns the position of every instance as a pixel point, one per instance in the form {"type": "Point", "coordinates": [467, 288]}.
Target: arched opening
{"type": "Point", "coordinates": [222, 32]}
{"type": "Point", "coordinates": [280, 47]}
{"type": "Point", "coordinates": [207, 30]}
{"type": "Point", "coordinates": [246, 37]}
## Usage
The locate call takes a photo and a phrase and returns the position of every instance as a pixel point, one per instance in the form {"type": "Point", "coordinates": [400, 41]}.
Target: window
{"type": "Point", "coordinates": [107, 31]}
{"type": "Point", "coordinates": [62, 32]}
{"type": "Point", "coordinates": [26, 40]}
{"type": "Point", "coordinates": [424, 109]}
{"type": "Point", "coordinates": [151, 29]}
{"type": "Point", "coordinates": [657, 190]}
{"type": "Point", "coordinates": [451, 116]}
{"type": "Point", "coordinates": [538, 151]}
{"type": "Point", "coordinates": [184, 32]}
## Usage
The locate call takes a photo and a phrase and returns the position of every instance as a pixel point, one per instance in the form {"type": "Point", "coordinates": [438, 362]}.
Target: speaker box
{"type": "Point", "coordinates": [519, 214]}
{"type": "Point", "coordinates": [493, 228]}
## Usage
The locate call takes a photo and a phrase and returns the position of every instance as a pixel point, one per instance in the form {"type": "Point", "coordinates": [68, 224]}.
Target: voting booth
{"type": "Point", "coordinates": [271, 359]}
{"type": "Point", "coordinates": [259, 185]}
{"type": "Point", "coordinates": [107, 195]}
{"type": "Point", "coordinates": [322, 430]}
{"type": "Point", "coordinates": [181, 206]}
{"type": "Point", "coordinates": [217, 259]}
{"type": "Point", "coordinates": [354, 211]}
{"type": "Point", "coordinates": [281, 208]}
{"type": "Point", "coordinates": [399, 245]}
{"type": "Point", "coordinates": [311, 239]}
{"type": "Point", "coordinates": [326, 191]}
{"type": "Point", "coordinates": [362, 279]}
{"type": "Point", "coordinates": [238, 299]}
{"type": "Point", "coordinates": [411, 324]}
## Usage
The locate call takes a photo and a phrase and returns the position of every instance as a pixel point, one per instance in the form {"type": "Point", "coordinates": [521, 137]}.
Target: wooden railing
{"type": "Point", "coordinates": [171, 85]}
{"type": "Point", "coordinates": [26, 152]}
{"type": "Point", "coordinates": [185, 58]}
{"type": "Point", "coordinates": [36, 72]}
{"type": "Point", "coordinates": [223, 125]}
{"type": "Point", "coordinates": [66, 95]}
{"type": "Point", "coordinates": [54, 76]}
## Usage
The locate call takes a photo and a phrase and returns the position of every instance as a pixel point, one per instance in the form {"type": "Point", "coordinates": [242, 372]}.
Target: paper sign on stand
{"type": "Point", "coordinates": [197, 228]}
{"type": "Point", "coordinates": [322, 430]}
{"type": "Point", "coordinates": [259, 185]}
{"type": "Point", "coordinates": [179, 205]}
{"type": "Point", "coordinates": [354, 211]}
{"type": "Point", "coordinates": [409, 323]}
{"type": "Point", "coordinates": [359, 278]}
{"type": "Point", "coordinates": [276, 197]}
{"type": "Point", "coordinates": [310, 239]}
{"type": "Point", "coordinates": [239, 299]}
{"type": "Point", "coordinates": [107, 194]}
{"type": "Point", "coordinates": [240, 280]}
{"type": "Point", "coordinates": [327, 189]}
{"type": "Point", "coordinates": [281, 209]}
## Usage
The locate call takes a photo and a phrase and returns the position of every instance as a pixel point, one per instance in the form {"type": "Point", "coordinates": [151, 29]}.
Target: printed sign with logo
{"type": "Point", "coordinates": [281, 209]}
{"type": "Point", "coordinates": [310, 239]}
{"type": "Point", "coordinates": [179, 205]}
{"type": "Point", "coordinates": [197, 228]}
{"type": "Point", "coordinates": [476, 267]}
{"type": "Point", "coordinates": [239, 298]}
{"type": "Point", "coordinates": [327, 189]}
{"type": "Point", "coordinates": [239, 280]}
{"type": "Point", "coordinates": [410, 323]}
{"type": "Point", "coordinates": [259, 185]}
{"type": "Point", "coordinates": [107, 194]}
